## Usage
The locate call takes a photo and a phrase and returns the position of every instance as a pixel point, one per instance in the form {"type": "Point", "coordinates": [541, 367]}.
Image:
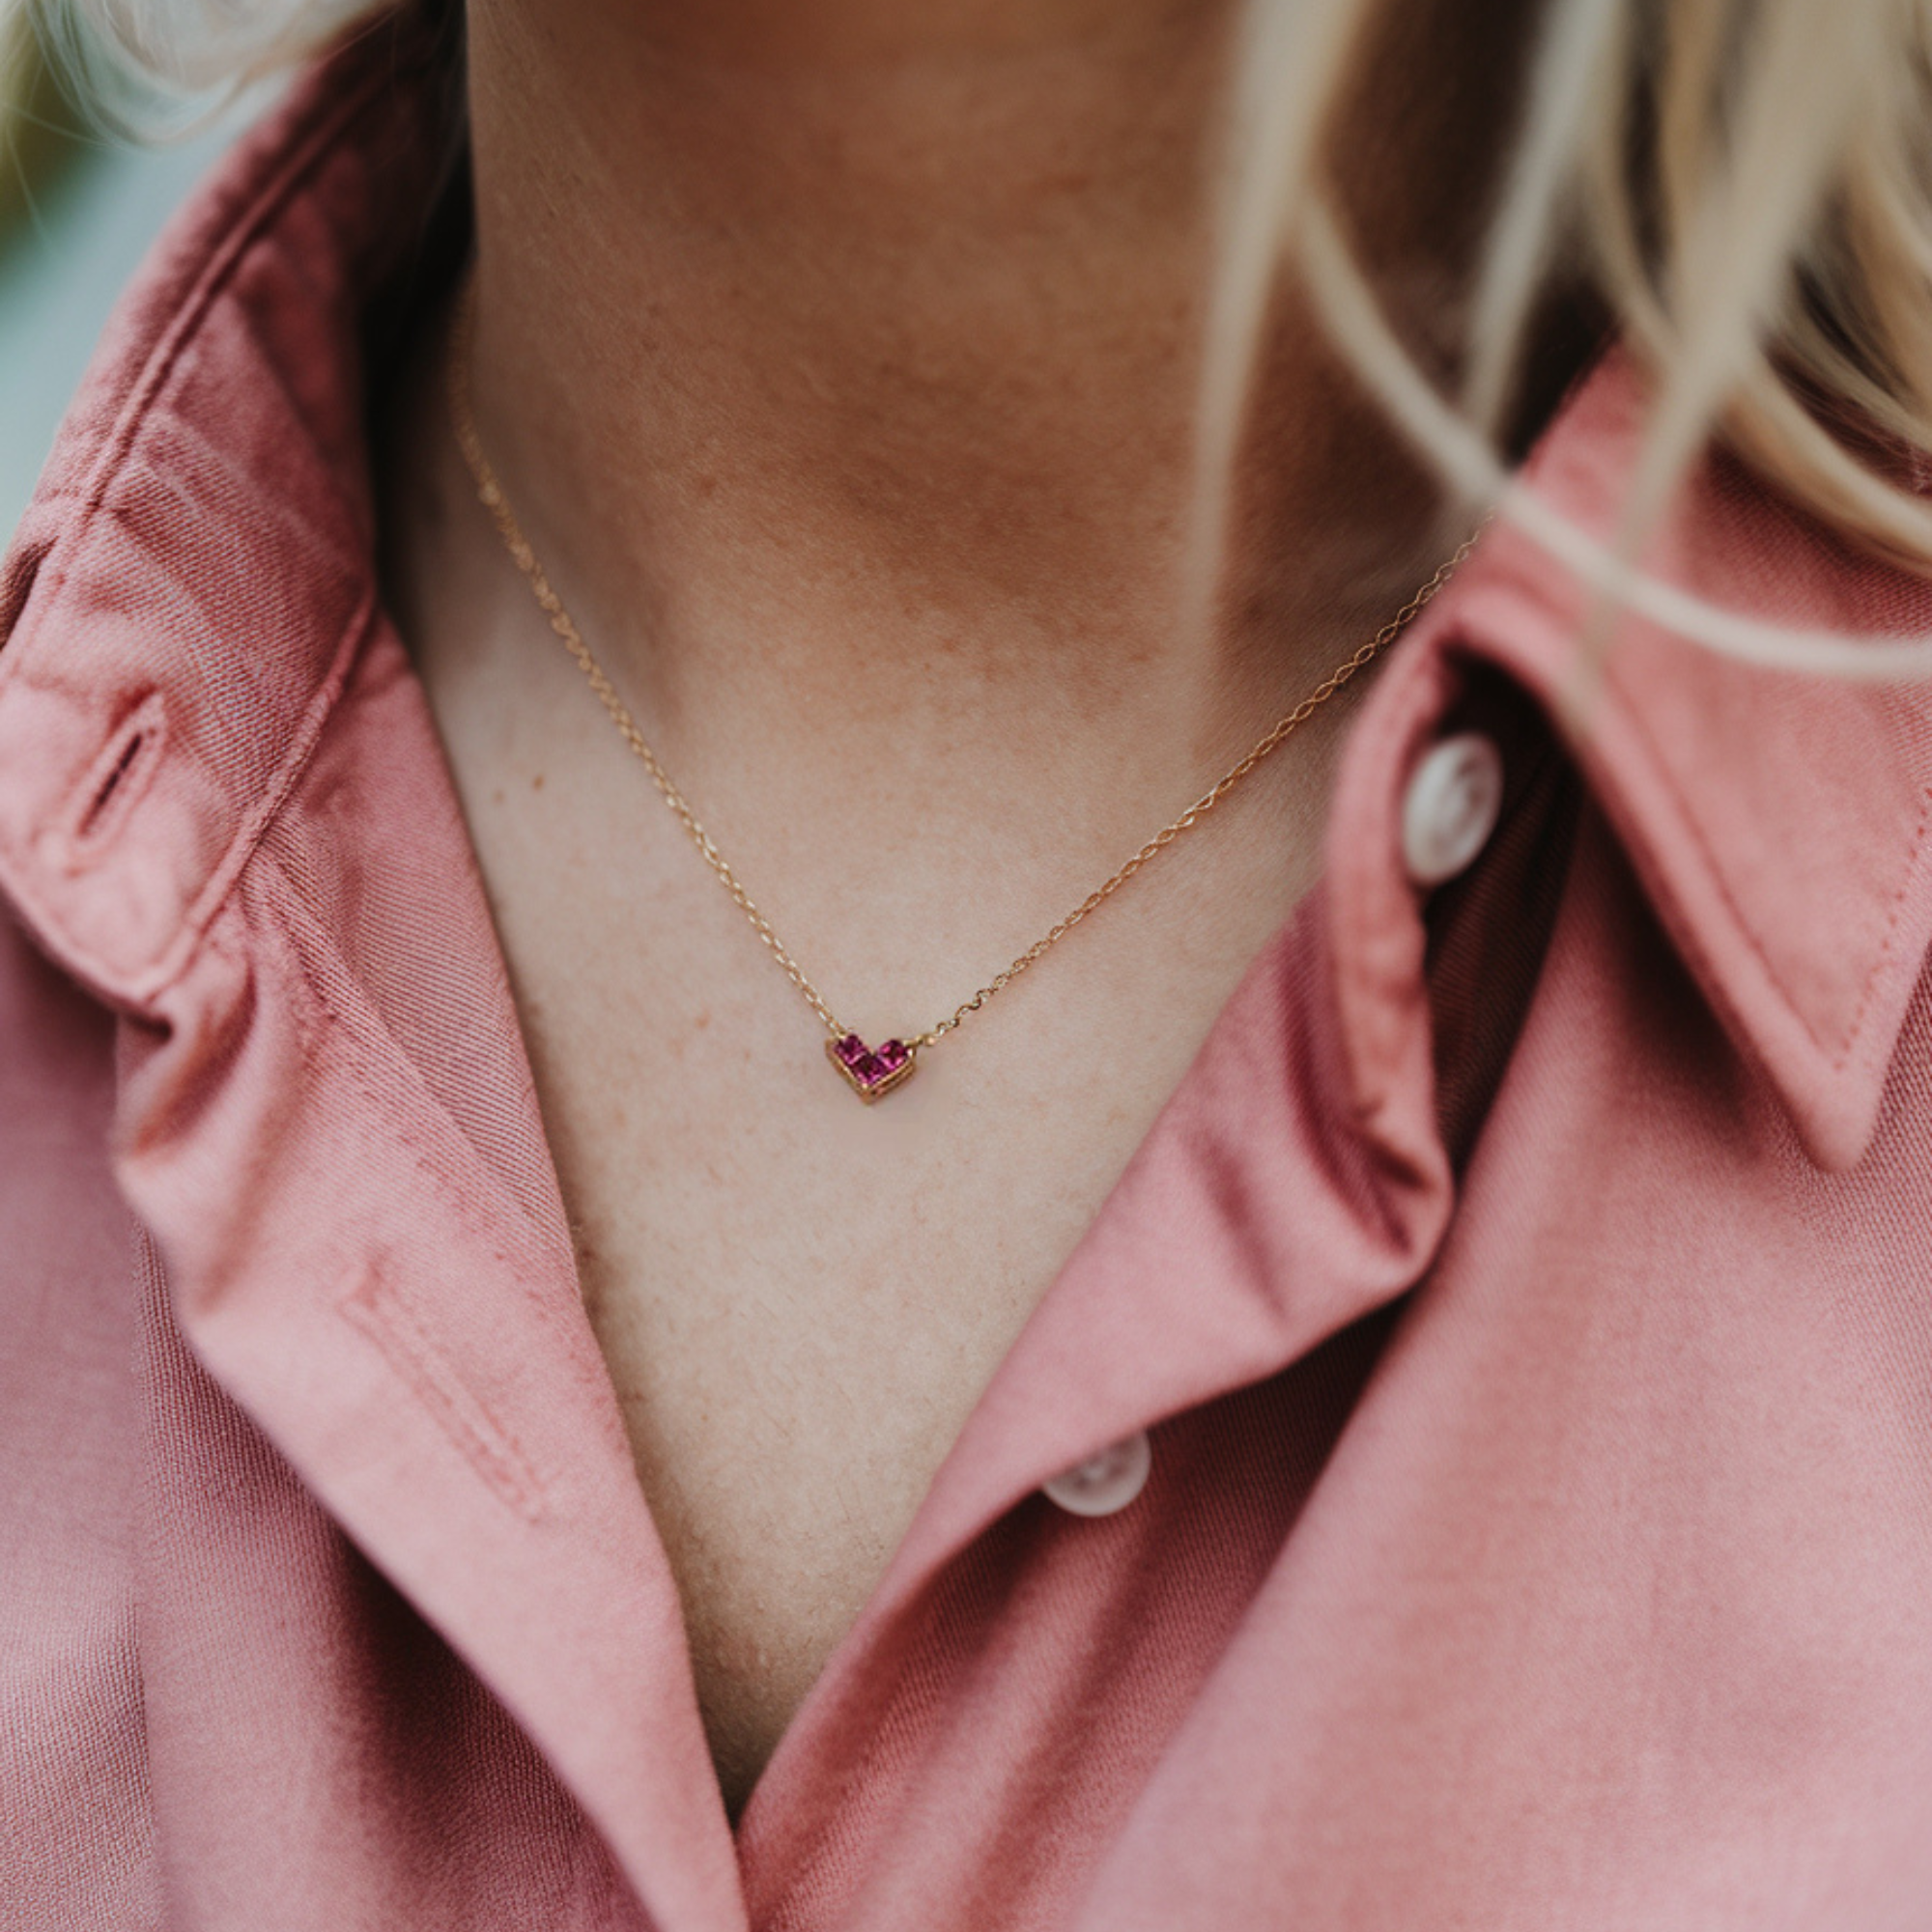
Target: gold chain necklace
{"type": "Point", "coordinates": [871, 1071]}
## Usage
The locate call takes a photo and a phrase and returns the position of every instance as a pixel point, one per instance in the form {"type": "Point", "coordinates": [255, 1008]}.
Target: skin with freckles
{"type": "Point", "coordinates": [840, 358]}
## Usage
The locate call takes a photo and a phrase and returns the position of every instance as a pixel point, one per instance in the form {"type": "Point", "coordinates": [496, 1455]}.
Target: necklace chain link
{"type": "Point", "coordinates": [492, 495]}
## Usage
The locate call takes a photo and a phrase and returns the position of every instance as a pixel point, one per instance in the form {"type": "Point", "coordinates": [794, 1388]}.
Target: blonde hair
{"type": "Point", "coordinates": [1745, 184]}
{"type": "Point", "coordinates": [143, 67]}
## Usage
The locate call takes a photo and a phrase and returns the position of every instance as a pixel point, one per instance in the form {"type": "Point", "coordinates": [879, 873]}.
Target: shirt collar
{"type": "Point", "coordinates": [195, 571]}
{"type": "Point", "coordinates": [1778, 822]}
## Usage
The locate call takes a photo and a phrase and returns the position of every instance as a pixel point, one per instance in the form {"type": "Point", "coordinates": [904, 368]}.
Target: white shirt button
{"type": "Point", "coordinates": [1455, 796]}
{"type": "Point", "coordinates": [1107, 1482]}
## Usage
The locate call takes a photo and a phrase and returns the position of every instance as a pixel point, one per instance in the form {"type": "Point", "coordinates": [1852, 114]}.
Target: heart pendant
{"type": "Point", "coordinates": [870, 1071]}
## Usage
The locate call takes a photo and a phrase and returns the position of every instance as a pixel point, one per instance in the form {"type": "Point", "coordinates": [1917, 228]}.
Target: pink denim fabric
{"type": "Point", "coordinates": [1539, 1531]}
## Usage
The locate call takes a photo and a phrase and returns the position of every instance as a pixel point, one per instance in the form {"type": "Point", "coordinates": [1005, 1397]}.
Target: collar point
{"type": "Point", "coordinates": [1836, 1123]}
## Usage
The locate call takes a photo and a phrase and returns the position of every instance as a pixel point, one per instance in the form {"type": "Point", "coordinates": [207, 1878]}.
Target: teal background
{"type": "Point", "coordinates": [60, 271]}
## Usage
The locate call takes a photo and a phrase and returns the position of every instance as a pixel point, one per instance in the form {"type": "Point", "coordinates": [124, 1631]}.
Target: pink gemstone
{"type": "Point", "coordinates": [892, 1055]}
{"type": "Point", "coordinates": [851, 1049]}
{"type": "Point", "coordinates": [869, 1069]}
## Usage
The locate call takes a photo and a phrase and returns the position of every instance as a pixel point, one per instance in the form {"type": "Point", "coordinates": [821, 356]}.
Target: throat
{"type": "Point", "coordinates": [856, 395]}
{"type": "Point", "coordinates": [902, 301]}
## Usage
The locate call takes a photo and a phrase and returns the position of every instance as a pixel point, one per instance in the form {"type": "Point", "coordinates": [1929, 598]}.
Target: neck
{"type": "Point", "coordinates": [861, 341]}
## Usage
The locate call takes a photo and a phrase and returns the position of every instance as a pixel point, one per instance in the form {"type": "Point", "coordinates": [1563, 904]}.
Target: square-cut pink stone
{"type": "Point", "coordinates": [871, 1071]}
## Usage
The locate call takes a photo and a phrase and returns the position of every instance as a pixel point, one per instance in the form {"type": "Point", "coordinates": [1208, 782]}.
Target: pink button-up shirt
{"type": "Point", "coordinates": [1527, 1294]}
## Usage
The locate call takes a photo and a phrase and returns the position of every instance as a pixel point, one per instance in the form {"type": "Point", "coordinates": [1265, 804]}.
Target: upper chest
{"type": "Point", "coordinates": [800, 1298]}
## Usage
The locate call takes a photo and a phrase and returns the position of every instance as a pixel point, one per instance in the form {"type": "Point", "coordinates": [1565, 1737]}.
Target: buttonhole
{"type": "Point", "coordinates": [117, 779]}
{"type": "Point", "coordinates": [96, 805]}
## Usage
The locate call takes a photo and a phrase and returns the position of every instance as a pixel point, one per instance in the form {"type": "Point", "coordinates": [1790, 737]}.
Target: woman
{"type": "Point", "coordinates": [1380, 1379]}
